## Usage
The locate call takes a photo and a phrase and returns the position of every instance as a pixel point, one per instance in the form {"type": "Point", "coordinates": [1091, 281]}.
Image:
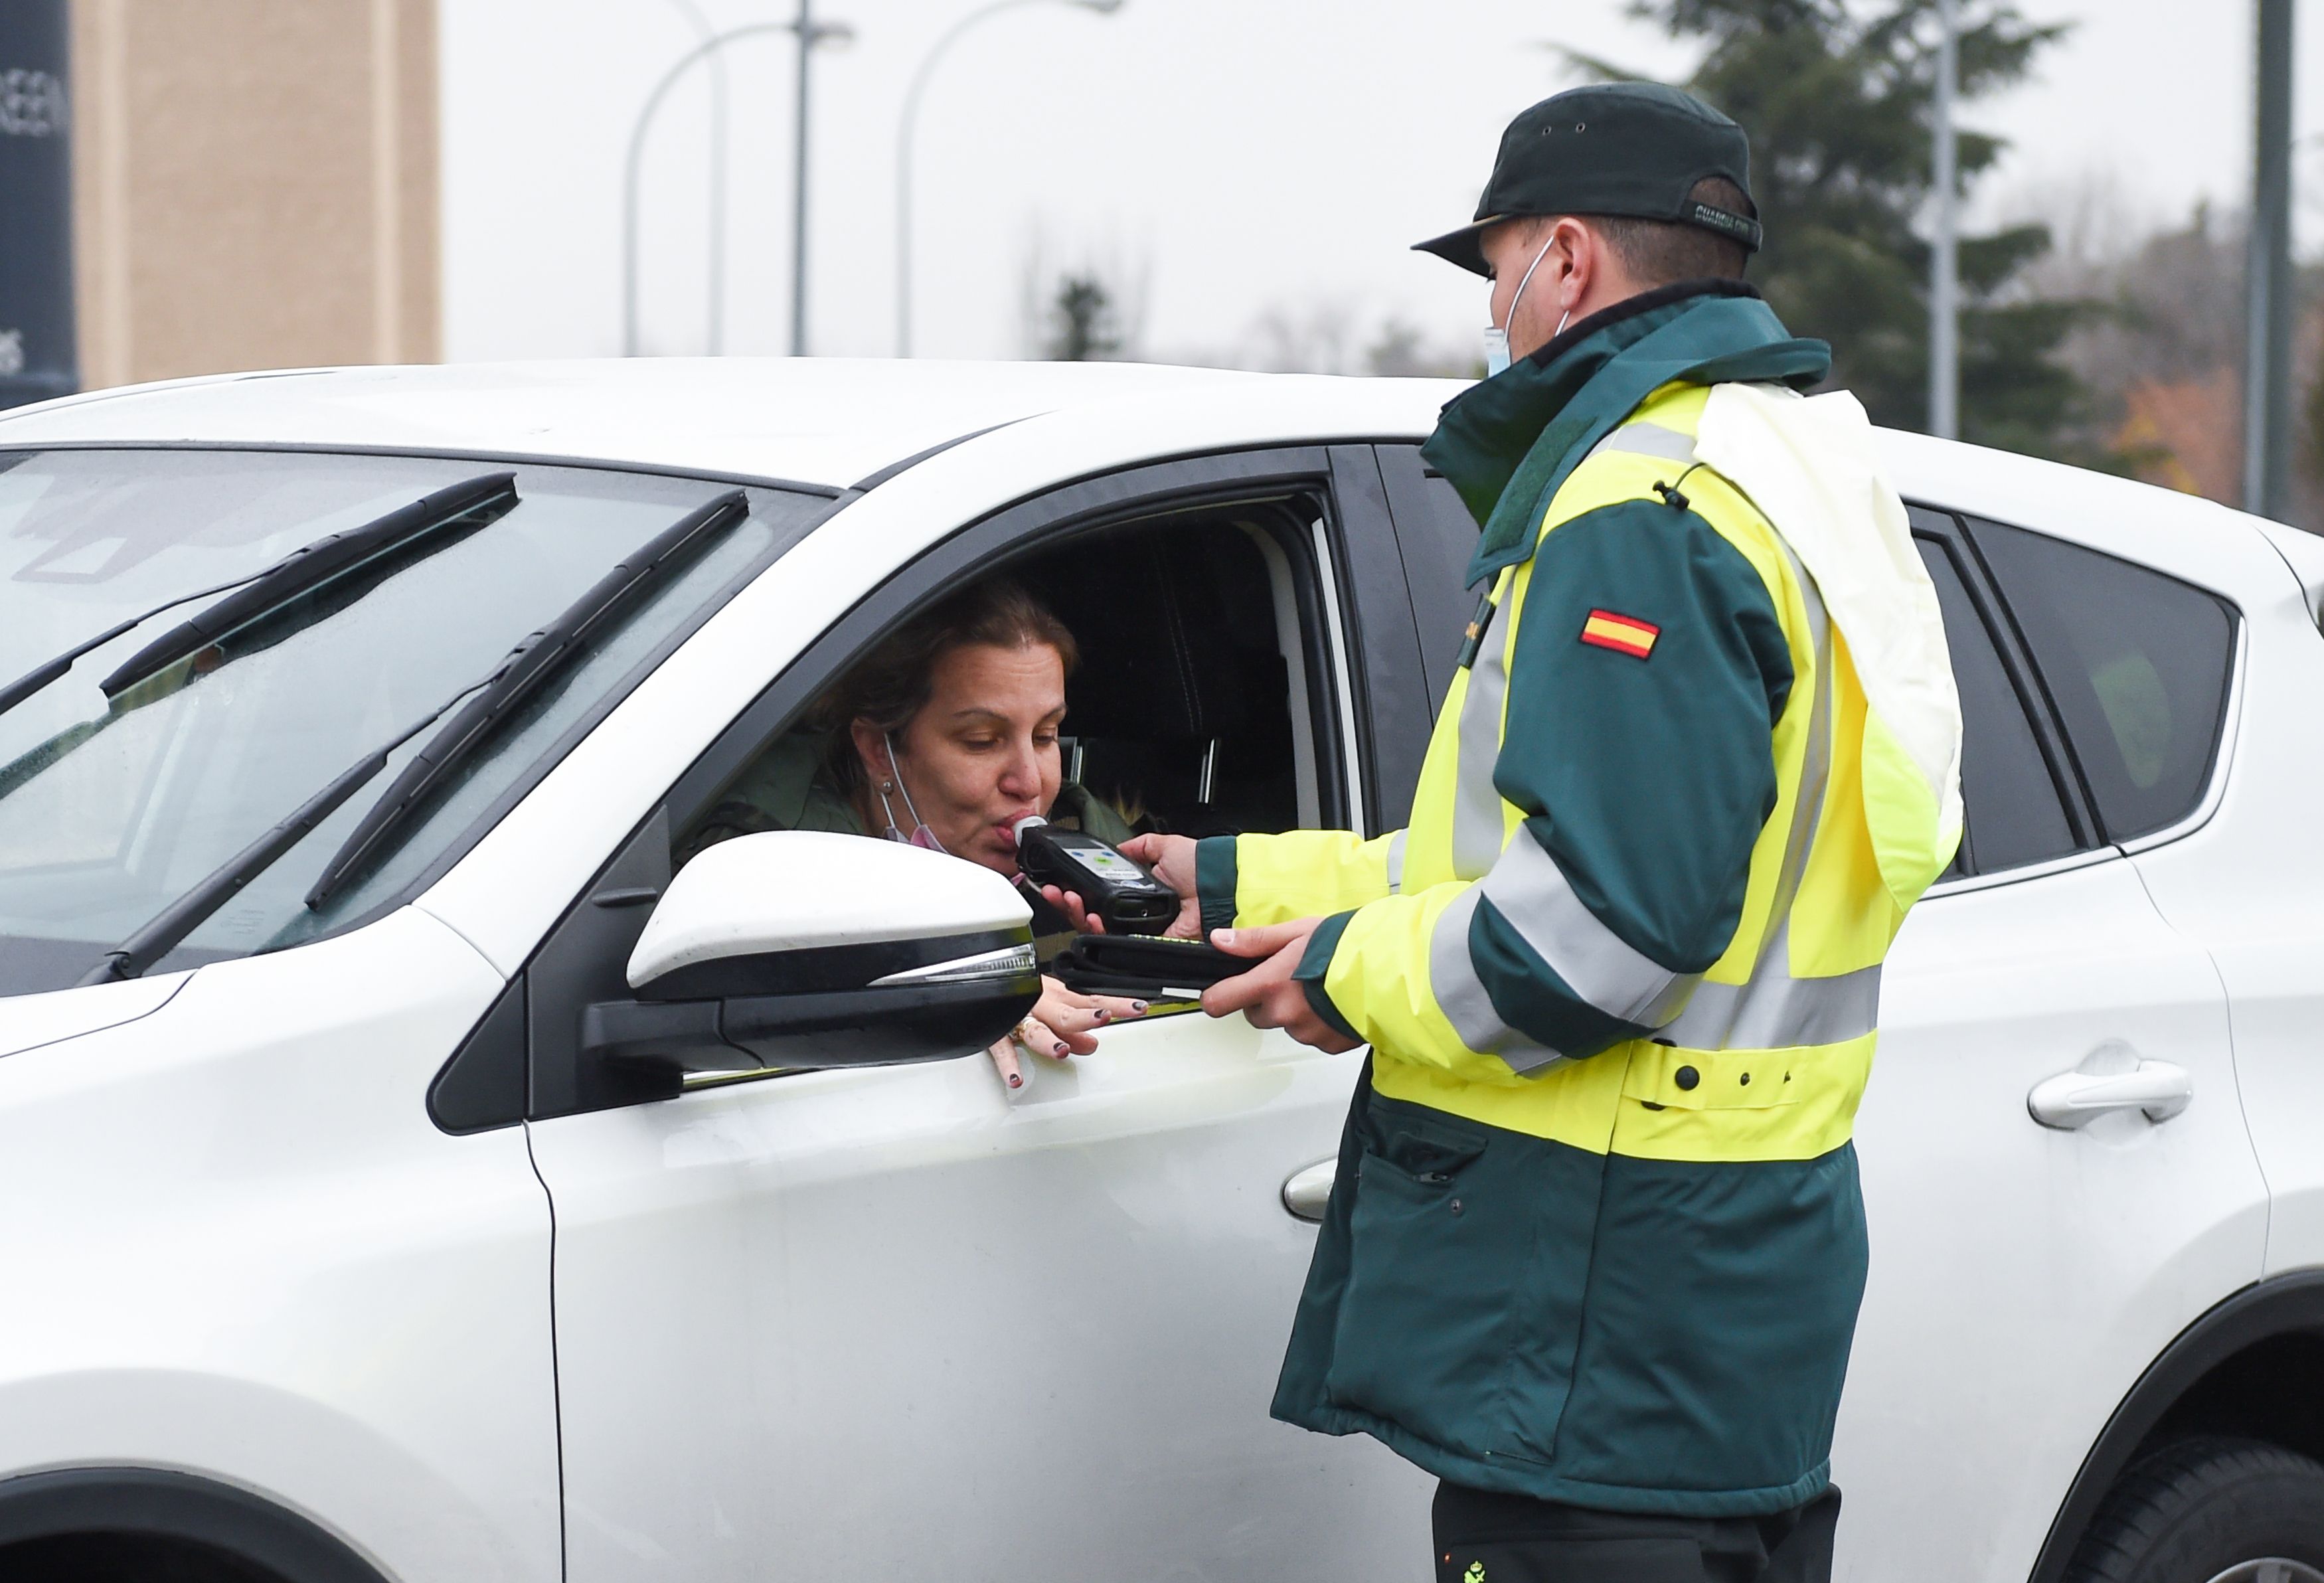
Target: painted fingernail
{"type": "Point", "coordinates": [1060, 1049]}
{"type": "Point", "coordinates": [1139, 1007]}
{"type": "Point", "coordinates": [1016, 1081]}
{"type": "Point", "coordinates": [1102, 1014]}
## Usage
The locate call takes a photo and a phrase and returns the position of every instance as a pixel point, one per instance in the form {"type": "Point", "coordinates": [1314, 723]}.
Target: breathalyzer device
{"type": "Point", "coordinates": [1113, 887]}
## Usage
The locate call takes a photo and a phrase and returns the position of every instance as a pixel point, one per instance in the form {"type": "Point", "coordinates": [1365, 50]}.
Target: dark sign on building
{"type": "Point", "coordinates": [37, 352]}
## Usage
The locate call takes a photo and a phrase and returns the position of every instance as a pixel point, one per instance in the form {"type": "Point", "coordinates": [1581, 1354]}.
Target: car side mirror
{"type": "Point", "coordinates": [800, 949]}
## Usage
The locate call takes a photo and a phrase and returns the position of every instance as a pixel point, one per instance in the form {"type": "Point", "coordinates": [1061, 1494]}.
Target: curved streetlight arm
{"type": "Point", "coordinates": [637, 149]}
{"type": "Point", "coordinates": [904, 146]}
{"type": "Point", "coordinates": [715, 341]}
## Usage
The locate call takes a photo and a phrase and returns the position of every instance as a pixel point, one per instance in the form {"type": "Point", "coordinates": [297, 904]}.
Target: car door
{"type": "Point", "coordinates": [2245, 882]}
{"type": "Point", "coordinates": [2023, 1275]}
{"type": "Point", "coordinates": [896, 1323]}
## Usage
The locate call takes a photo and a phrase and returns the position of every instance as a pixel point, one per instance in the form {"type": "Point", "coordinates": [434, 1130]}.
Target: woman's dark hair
{"type": "Point", "coordinates": [890, 684]}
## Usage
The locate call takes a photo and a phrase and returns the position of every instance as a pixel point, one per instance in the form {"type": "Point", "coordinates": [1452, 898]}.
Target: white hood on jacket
{"type": "Point", "coordinates": [1808, 463]}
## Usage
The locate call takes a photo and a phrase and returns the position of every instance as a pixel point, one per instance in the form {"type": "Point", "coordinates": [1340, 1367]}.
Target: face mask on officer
{"type": "Point", "coordinates": [1496, 337]}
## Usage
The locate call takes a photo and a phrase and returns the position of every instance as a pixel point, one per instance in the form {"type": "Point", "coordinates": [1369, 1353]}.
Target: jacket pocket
{"type": "Point", "coordinates": [1438, 1330]}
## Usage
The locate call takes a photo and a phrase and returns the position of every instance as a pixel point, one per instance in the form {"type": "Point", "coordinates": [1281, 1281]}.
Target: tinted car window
{"type": "Point", "coordinates": [2012, 812]}
{"type": "Point", "coordinates": [2138, 663]}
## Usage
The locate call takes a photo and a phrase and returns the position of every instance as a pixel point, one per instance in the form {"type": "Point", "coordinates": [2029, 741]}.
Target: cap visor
{"type": "Point", "coordinates": [1464, 247]}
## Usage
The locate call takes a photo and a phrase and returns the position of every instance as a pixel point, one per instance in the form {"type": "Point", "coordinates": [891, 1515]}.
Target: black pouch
{"type": "Point", "coordinates": [1144, 967]}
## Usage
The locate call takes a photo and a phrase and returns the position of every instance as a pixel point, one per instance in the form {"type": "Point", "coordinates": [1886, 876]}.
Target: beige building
{"type": "Point", "coordinates": [256, 185]}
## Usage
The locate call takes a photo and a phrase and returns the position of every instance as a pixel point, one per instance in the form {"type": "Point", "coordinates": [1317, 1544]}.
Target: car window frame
{"type": "Point", "coordinates": [1395, 692]}
{"type": "Point", "coordinates": [1436, 550]}
{"type": "Point", "coordinates": [579, 958]}
{"type": "Point", "coordinates": [1216, 482]}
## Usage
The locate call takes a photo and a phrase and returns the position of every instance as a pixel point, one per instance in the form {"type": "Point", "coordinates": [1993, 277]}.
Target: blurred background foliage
{"type": "Point", "coordinates": [2086, 337]}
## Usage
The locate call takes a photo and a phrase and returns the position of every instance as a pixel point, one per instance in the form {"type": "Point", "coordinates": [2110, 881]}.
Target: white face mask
{"type": "Point", "coordinates": [921, 835]}
{"type": "Point", "coordinates": [1496, 337]}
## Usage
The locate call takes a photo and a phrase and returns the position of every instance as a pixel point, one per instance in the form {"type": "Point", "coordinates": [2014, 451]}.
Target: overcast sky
{"type": "Point", "coordinates": [1221, 160]}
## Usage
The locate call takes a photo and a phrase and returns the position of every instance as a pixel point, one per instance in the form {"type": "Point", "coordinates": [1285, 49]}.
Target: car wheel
{"type": "Point", "coordinates": [2210, 1510]}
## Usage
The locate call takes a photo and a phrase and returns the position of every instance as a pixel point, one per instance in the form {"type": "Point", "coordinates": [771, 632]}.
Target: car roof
{"type": "Point", "coordinates": [835, 423]}
{"type": "Point", "coordinates": [827, 421]}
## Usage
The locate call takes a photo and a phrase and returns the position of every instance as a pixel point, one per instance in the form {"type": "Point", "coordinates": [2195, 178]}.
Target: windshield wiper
{"type": "Point", "coordinates": [526, 668]}
{"type": "Point", "coordinates": [303, 570]}
{"type": "Point", "coordinates": [161, 933]}
{"type": "Point", "coordinates": [48, 670]}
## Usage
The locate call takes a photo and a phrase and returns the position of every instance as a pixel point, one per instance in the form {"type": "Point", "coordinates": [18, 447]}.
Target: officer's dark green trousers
{"type": "Point", "coordinates": [1484, 1538]}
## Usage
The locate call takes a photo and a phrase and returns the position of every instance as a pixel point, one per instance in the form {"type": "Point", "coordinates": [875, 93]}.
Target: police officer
{"type": "Point", "coordinates": [1596, 1246]}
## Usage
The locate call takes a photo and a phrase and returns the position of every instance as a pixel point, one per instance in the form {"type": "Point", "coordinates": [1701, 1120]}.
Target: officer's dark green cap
{"type": "Point", "coordinates": [1616, 148]}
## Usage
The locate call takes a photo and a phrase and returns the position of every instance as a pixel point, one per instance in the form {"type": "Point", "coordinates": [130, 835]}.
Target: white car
{"type": "Point", "coordinates": [364, 1220]}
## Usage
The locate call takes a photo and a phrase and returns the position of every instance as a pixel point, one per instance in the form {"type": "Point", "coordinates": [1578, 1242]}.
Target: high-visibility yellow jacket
{"type": "Point", "coordinates": [1597, 1236]}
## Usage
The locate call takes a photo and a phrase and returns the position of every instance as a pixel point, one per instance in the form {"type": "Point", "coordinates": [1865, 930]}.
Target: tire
{"type": "Point", "coordinates": [2209, 1509]}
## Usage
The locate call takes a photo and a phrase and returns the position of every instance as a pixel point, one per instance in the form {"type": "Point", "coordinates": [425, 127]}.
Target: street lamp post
{"type": "Point", "coordinates": [1944, 258]}
{"type": "Point", "coordinates": [811, 34]}
{"type": "Point", "coordinates": [669, 80]}
{"type": "Point", "coordinates": [2268, 278]}
{"type": "Point", "coordinates": [715, 341]}
{"type": "Point", "coordinates": [904, 146]}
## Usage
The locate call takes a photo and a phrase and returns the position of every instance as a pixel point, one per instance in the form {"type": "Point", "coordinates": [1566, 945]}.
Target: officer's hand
{"type": "Point", "coordinates": [1172, 859]}
{"type": "Point", "coordinates": [1268, 994]}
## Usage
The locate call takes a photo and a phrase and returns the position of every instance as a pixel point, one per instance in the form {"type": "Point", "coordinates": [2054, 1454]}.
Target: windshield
{"type": "Point", "coordinates": [113, 809]}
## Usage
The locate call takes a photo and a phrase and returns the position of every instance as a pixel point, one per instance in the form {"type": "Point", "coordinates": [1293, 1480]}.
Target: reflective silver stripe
{"type": "Point", "coordinates": [1006, 963]}
{"type": "Point", "coordinates": [1774, 1011]}
{"type": "Point", "coordinates": [1528, 889]}
{"type": "Point", "coordinates": [1460, 994]}
{"type": "Point", "coordinates": [1395, 862]}
{"type": "Point", "coordinates": [1648, 439]}
{"type": "Point", "coordinates": [1476, 801]}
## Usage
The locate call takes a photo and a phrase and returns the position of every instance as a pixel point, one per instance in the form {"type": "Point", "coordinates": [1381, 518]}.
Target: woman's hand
{"type": "Point", "coordinates": [1069, 902]}
{"type": "Point", "coordinates": [1061, 1023]}
{"type": "Point", "coordinates": [1172, 859]}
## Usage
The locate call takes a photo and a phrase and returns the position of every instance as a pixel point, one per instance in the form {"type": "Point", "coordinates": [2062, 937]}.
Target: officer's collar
{"type": "Point", "coordinates": [1630, 308]}
{"type": "Point", "coordinates": [1506, 442]}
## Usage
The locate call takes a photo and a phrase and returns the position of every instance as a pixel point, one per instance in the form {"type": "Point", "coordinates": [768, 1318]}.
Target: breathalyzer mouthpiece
{"type": "Point", "coordinates": [1017, 830]}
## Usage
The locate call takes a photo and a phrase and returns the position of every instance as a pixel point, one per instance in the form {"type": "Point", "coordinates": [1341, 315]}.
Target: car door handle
{"type": "Point", "coordinates": [1307, 1191]}
{"type": "Point", "coordinates": [2161, 1089]}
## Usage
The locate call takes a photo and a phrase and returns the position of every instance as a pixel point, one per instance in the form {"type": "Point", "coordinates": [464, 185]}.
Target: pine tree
{"type": "Point", "coordinates": [1083, 321]}
{"type": "Point", "coordinates": [1838, 101]}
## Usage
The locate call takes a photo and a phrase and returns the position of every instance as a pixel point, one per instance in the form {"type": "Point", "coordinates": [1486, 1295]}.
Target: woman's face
{"type": "Point", "coordinates": [980, 754]}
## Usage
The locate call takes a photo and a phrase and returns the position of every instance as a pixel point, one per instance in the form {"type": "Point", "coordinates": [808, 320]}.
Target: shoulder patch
{"type": "Point", "coordinates": [1621, 633]}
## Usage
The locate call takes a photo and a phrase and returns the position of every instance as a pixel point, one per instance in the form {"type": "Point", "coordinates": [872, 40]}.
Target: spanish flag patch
{"type": "Point", "coordinates": [1621, 633]}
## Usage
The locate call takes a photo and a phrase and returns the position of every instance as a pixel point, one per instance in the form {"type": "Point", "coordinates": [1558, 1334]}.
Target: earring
{"type": "Point", "coordinates": [887, 785]}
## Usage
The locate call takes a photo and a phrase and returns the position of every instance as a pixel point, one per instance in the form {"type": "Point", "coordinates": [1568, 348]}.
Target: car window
{"type": "Point", "coordinates": [2013, 813]}
{"type": "Point", "coordinates": [1198, 705]}
{"type": "Point", "coordinates": [112, 809]}
{"type": "Point", "coordinates": [2138, 663]}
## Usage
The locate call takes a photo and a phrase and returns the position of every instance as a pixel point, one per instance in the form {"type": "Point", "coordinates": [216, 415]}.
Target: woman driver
{"type": "Point", "coordinates": [946, 736]}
